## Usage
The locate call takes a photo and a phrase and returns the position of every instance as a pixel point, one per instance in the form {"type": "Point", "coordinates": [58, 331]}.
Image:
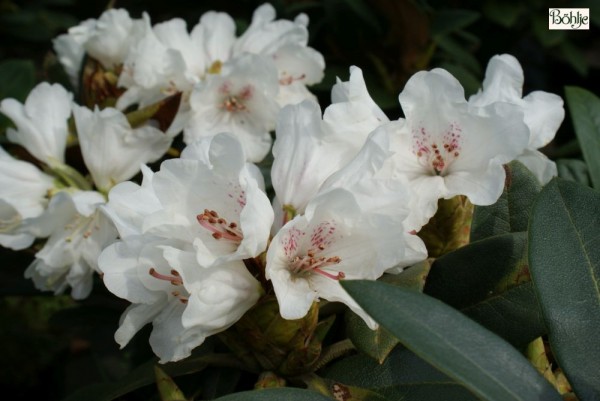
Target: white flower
{"type": "Point", "coordinates": [112, 150]}
{"type": "Point", "coordinates": [23, 195]}
{"type": "Point", "coordinates": [309, 148]}
{"type": "Point", "coordinates": [107, 39]}
{"type": "Point", "coordinates": [543, 112]}
{"type": "Point", "coordinates": [184, 301]}
{"type": "Point", "coordinates": [41, 122]}
{"type": "Point", "coordinates": [446, 147]}
{"type": "Point", "coordinates": [285, 42]}
{"type": "Point", "coordinates": [77, 233]}
{"type": "Point", "coordinates": [335, 239]}
{"type": "Point", "coordinates": [69, 49]}
{"type": "Point", "coordinates": [168, 59]}
{"type": "Point", "coordinates": [353, 112]}
{"type": "Point", "coordinates": [241, 101]}
{"type": "Point", "coordinates": [209, 198]}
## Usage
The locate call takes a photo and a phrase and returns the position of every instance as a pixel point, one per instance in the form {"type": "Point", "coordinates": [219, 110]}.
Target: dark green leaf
{"type": "Point", "coordinates": [503, 13]}
{"type": "Point", "coordinates": [564, 252]}
{"type": "Point", "coordinates": [217, 382]}
{"type": "Point", "coordinates": [547, 37]}
{"type": "Point", "coordinates": [376, 343]}
{"type": "Point", "coordinates": [402, 376]}
{"type": "Point", "coordinates": [140, 377]}
{"type": "Point", "coordinates": [379, 343]}
{"type": "Point", "coordinates": [17, 78]}
{"type": "Point", "coordinates": [411, 277]}
{"type": "Point", "coordinates": [451, 20]}
{"type": "Point", "coordinates": [340, 391]}
{"type": "Point", "coordinates": [575, 57]}
{"type": "Point", "coordinates": [514, 315]}
{"type": "Point", "coordinates": [585, 112]}
{"type": "Point", "coordinates": [573, 170]}
{"type": "Point", "coordinates": [484, 363]}
{"type": "Point", "coordinates": [460, 56]}
{"type": "Point", "coordinates": [511, 211]}
{"type": "Point", "coordinates": [402, 367]}
{"type": "Point", "coordinates": [479, 270]}
{"type": "Point", "coordinates": [276, 394]}
{"type": "Point", "coordinates": [364, 12]}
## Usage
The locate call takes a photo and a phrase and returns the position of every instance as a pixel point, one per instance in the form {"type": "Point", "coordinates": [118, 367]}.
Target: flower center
{"type": "Point", "coordinates": [81, 227]}
{"type": "Point", "coordinates": [234, 103]}
{"type": "Point", "coordinates": [320, 238]}
{"type": "Point", "coordinates": [289, 79]}
{"type": "Point", "coordinates": [435, 154]}
{"type": "Point", "coordinates": [219, 227]}
{"type": "Point", "coordinates": [174, 279]}
{"type": "Point", "coordinates": [315, 264]}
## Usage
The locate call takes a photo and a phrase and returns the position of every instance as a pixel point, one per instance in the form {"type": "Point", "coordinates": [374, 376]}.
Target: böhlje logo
{"type": "Point", "coordinates": [569, 18]}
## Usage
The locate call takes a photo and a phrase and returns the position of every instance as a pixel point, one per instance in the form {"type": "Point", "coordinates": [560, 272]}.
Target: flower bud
{"type": "Point", "coordinates": [286, 347]}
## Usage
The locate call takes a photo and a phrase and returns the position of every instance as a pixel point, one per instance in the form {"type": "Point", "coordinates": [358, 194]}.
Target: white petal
{"type": "Point", "coordinates": [266, 36]}
{"type": "Point", "coordinates": [544, 113]}
{"type": "Point", "coordinates": [335, 293]}
{"type": "Point", "coordinates": [129, 204]}
{"type": "Point", "coordinates": [23, 185]}
{"type": "Point", "coordinates": [119, 266]}
{"type": "Point", "coordinates": [503, 81]}
{"type": "Point", "coordinates": [169, 339]}
{"type": "Point", "coordinates": [112, 150]}
{"type": "Point", "coordinates": [41, 122]}
{"type": "Point", "coordinates": [543, 168]}
{"type": "Point", "coordinates": [241, 101]}
{"type": "Point", "coordinates": [174, 35]}
{"type": "Point", "coordinates": [133, 319]}
{"type": "Point", "coordinates": [215, 35]}
{"type": "Point", "coordinates": [305, 154]}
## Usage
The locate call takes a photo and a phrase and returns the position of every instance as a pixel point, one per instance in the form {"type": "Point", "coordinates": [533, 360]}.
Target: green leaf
{"type": "Point", "coordinates": [364, 12]}
{"type": "Point", "coordinates": [376, 343]}
{"type": "Point", "coordinates": [585, 112]}
{"type": "Point", "coordinates": [573, 170]}
{"type": "Point", "coordinates": [379, 343]}
{"type": "Point", "coordinates": [401, 367]}
{"type": "Point", "coordinates": [484, 363]}
{"type": "Point", "coordinates": [514, 315]}
{"type": "Point", "coordinates": [217, 382]}
{"type": "Point", "coordinates": [547, 38]}
{"type": "Point", "coordinates": [276, 394]}
{"type": "Point", "coordinates": [402, 376]}
{"type": "Point", "coordinates": [511, 211]}
{"type": "Point", "coordinates": [411, 277]}
{"type": "Point", "coordinates": [340, 391]}
{"type": "Point", "coordinates": [17, 78]}
{"type": "Point", "coordinates": [575, 57]}
{"type": "Point", "coordinates": [142, 376]}
{"type": "Point", "coordinates": [460, 55]}
{"type": "Point", "coordinates": [503, 13]}
{"type": "Point", "coordinates": [479, 270]}
{"type": "Point", "coordinates": [451, 20]}
{"type": "Point", "coordinates": [564, 252]}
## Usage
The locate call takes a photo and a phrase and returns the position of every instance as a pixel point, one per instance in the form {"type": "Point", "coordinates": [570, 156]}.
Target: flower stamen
{"type": "Point", "coordinates": [311, 263]}
{"type": "Point", "coordinates": [174, 278]}
{"type": "Point", "coordinates": [219, 227]}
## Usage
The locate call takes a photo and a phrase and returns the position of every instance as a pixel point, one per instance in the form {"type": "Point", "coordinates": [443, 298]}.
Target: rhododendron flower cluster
{"type": "Point", "coordinates": [196, 242]}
